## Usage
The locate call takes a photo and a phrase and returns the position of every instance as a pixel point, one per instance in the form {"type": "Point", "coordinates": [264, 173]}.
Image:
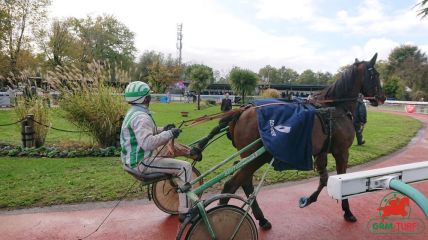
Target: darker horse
{"type": "Point", "coordinates": [361, 77]}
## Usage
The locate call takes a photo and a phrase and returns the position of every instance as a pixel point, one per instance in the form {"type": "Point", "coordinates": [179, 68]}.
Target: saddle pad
{"type": "Point", "coordinates": [286, 132]}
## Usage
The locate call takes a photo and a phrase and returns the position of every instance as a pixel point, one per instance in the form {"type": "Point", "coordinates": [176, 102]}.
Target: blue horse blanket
{"type": "Point", "coordinates": [286, 132]}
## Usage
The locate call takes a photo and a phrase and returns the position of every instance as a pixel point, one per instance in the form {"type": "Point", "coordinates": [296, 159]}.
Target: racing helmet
{"type": "Point", "coordinates": [136, 92]}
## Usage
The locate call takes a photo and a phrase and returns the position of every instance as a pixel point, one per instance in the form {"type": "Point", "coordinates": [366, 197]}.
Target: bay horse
{"type": "Point", "coordinates": [360, 77]}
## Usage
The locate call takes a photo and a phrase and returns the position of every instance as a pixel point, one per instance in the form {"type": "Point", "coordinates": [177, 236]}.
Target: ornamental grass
{"type": "Point", "coordinates": [90, 100]}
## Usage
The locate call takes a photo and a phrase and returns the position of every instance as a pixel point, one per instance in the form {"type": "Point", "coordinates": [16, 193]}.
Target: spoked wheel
{"type": "Point", "coordinates": [165, 194]}
{"type": "Point", "coordinates": [224, 220]}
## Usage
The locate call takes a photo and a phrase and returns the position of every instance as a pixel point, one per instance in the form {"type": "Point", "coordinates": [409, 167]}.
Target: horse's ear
{"type": "Point", "coordinates": [373, 61]}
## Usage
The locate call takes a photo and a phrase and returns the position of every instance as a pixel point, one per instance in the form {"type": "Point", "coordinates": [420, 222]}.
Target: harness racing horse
{"type": "Point", "coordinates": [361, 77]}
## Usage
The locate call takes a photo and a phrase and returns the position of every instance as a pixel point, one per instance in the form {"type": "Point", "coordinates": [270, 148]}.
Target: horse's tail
{"type": "Point", "coordinates": [223, 123]}
{"type": "Point", "coordinates": [231, 121]}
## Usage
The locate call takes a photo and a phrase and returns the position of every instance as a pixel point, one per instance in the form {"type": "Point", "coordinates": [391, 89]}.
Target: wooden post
{"type": "Point", "coordinates": [23, 136]}
{"type": "Point", "coordinates": [118, 130]}
{"type": "Point", "coordinates": [29, 136]}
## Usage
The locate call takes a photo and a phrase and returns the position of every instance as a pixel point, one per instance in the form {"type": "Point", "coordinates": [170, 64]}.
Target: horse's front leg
{"type": "Point", "coordinates": [341, 165]}
{"type": "Point", "coordinates": [321, 166]}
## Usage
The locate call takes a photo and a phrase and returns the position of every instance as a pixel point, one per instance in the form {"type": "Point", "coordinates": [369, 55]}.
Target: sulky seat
{"type": "Point", "coordinates": [146, 177]}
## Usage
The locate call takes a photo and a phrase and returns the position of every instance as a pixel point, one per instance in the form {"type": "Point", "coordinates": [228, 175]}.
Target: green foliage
{"type": "Point", "coordinates": [200, 76]}
{"type": "Point", "coordinates": [307, 77]}
{"type": "Point", "coordinates": [105, 39]}
{"type": "Point", "coordinates": [391, 87]}
{"type": "Point", "coordinates": [410, 65]}
{"type": "Point", "coordinates": [36, 106]}
{"type": "Point", "coordinates": [59, 152]}
{"type": "Point", "coordinates": [162, 73]}
{"type": "Point", "coordinates": [60, 46]}
{"type": "Point", "coordinates": [270, 93]}
{"type": "Point", "coordinates": [272, 75]}
{"type": "Point", "coordinates": [89, 102]}
{"type": "Point", "coordinates": [243, 81]}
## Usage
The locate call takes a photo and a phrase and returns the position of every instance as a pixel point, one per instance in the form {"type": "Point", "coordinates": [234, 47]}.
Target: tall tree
{"type": "Point", "coordinates": [58, 43]}
{"type": "Point", "coordinates": [410, 64]}
{"type": "Point", "coordinates": [20, 18]}
{"type": "Point", "coordinates": [243, 81]}
{"type": "Point", "coordinates": [106, 39]}
{"type": "Point", "coordinates": [200, 76]}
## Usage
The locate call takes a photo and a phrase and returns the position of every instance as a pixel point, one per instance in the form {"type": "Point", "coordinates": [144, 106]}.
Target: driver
{"type": "Point", "coordinates": [139, 137]}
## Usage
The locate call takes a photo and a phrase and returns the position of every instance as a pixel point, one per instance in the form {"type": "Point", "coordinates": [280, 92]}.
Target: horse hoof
{"type": "Point", "coordinates": [265, 224]}
{"type": "Point", "coordinates": [303, 202]}
{"type": "Point", "coordinates": [350, 218]}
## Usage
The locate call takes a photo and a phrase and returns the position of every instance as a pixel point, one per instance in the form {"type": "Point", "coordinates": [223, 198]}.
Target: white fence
{"type": "Point", "coordinates": [406, 106]}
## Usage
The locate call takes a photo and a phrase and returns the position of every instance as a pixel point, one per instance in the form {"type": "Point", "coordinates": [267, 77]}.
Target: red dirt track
{"type": "Point", "coordinates": [320, 220]}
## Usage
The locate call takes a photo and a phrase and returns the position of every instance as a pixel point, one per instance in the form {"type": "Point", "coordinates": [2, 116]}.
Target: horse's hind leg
{"type": "Point", "coordinates": [258, 214]}
{"type": "Point", "coordinates": [341, 165]}
{"type": "Point", "coordinates": [244, 178]}
{"type": "Point", "coordinates": [321, 166]}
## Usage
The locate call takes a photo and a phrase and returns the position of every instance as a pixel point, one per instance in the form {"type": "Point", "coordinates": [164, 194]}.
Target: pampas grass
{"type": "Point", "coordinates": [89, 101]}
{"type": "Point", "coordinates": [270, 93]}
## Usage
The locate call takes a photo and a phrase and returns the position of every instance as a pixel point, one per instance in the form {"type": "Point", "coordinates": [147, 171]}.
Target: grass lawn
{"type": "Point", "coordinates": [28, 182]}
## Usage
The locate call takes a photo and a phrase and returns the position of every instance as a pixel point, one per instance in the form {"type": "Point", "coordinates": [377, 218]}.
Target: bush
{"type": "Point", "coordinates": [89, 102]}
{"type": "Point", "coordinates": [55, 152]}
{"type": "Point", "coordinates": [270, 93]}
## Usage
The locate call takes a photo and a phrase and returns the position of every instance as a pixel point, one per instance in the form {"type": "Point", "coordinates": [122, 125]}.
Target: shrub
{"type": "Point", "coordinates": [89, 101]}
{"type": "Point", "coordinates": [270, 93]}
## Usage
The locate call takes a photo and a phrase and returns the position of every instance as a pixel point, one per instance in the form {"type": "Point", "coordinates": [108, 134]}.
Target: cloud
{"type": "Point", "coordinates": [215, 36]}
{"type": "Point", "coordinates": [289, 10]}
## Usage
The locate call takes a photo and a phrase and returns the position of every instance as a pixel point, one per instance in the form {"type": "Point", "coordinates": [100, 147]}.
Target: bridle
{"type": "Point", "coordinates": [371, 80]}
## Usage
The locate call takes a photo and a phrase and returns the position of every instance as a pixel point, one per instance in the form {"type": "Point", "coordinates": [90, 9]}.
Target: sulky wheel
{"type": "Point", "coordinates": [165, 193]}
{"type": "Point", "coordinates": [224, 220]}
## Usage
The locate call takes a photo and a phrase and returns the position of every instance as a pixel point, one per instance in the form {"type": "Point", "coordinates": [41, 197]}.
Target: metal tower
{"type": "Point", "coordinates": [179, 43]}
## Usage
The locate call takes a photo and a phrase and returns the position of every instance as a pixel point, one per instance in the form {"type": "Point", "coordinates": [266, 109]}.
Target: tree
{"type": "Point", "coordinates": [307, 77]}
{"type": "Point", "coordinates": [162, 73]}
{"type": "Point", "coordinates": [410, 65]}
{"type": "Point", "coordinates": [19, 17]}
{"type": "Point", "coordinates": [391, 87]}
{"type": "Point", "coordinates": [423, 8]}
{"type": "Point", "coordinates": [269, 74]}
{"type": "Point", "coordinates": [287, 75]}
{"type": "Point", "coordinates": [200, 76]}
{"type": "Point", "coordinates": [58, 43]}
{"type": "Point", "coordinates": [105, 39]}
{"type": "Point", "coordinates": [144, 62]}
{"type": "Point", "coordinates": [243, 81]}
{"type": "Point", "coordinates": [323, 78]}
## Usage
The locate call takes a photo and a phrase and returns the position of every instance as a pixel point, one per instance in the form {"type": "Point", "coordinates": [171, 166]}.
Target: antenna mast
{"type": "Point", "coordinates": [179, 41]}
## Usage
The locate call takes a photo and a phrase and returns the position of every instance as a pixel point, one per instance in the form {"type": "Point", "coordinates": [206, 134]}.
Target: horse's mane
{"type": "Point", "coordinates": [341, 87]}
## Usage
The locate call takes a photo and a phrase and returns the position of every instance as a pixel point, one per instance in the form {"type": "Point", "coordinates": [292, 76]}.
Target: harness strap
{"type": "Point", "coordinates": [327, 128]}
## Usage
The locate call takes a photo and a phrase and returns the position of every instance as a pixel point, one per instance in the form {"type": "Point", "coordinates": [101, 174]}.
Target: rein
{"type": "Point", "coordinates": [207, 118]}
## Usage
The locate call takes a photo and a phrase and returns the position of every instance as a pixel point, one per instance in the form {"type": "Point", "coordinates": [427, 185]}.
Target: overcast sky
{"type": "Point", "coordinates": [300, 34]}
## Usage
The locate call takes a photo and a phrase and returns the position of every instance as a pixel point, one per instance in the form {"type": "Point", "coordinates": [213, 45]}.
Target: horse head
{"type": "Point", "coordinates": [371, 87]}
